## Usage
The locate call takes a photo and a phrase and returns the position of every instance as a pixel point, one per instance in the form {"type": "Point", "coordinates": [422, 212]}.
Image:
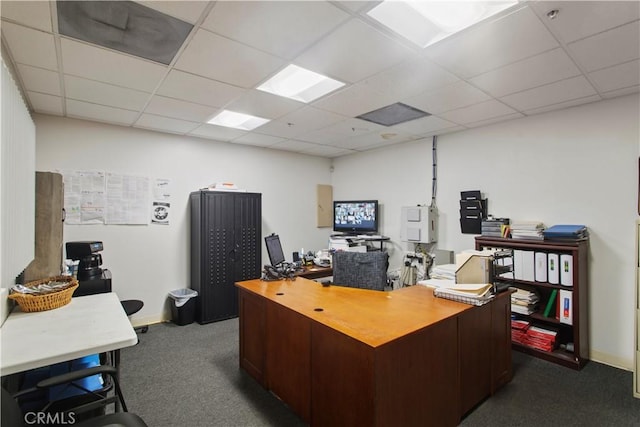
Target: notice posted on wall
{"type": "Point", "coordinates": [161, 203]}
{"type": "Point", "coordinates": [127, 199]}
{"type": "Point", "coordinates": [84, 197]}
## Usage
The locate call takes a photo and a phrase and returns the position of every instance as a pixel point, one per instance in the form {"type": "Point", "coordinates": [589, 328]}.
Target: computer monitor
{"type": "Point", "coordinates": [274, 249]}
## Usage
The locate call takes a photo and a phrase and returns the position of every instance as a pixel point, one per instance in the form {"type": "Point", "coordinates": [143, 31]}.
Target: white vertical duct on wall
{"type": "Point", "coordinates": [17, 182]}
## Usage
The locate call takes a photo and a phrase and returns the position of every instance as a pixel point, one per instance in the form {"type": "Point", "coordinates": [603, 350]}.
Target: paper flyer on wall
{"type": "Point", "coordinates": [161, 204]}
{"type": "Point", "coordinates": [84, 196]}
{"type": "Point", "coordinates": [127, 199]}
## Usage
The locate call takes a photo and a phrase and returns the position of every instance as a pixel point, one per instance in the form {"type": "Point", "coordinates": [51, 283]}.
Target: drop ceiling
{"type": "Point", "coordinates": [517, 64]}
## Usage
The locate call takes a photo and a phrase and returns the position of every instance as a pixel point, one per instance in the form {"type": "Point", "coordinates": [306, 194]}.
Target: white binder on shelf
{"type": "Point", "coordinates": [518, 268]}
{"type": "Point", "coordinates": [528, 265]}
{"type": "Point", "coordinates": [553, 272]}
{"type": "Point", "coordinates": [566, 307]}
{"type": "Point", "coordinates": [566, 270]}
{"type": "Point", "coordinates": [541, 266]}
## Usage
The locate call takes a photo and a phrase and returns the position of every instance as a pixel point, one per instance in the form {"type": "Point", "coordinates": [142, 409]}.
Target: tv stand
{"type": "Point", "coordinates": [361, 239]}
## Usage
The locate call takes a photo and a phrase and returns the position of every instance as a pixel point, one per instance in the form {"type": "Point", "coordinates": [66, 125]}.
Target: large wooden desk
{"type": "Point", "coordinates": [87, 325]}
{"type": "Point", "coordinates": [346, 356]}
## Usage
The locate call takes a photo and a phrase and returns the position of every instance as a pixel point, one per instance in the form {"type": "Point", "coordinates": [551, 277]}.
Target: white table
{"type": "Point", "coordinates": [87, 325]}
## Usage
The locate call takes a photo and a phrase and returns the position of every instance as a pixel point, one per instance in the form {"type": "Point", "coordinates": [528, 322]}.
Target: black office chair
{"type": "Point", "coordinates": [367, 270]}
{"type": "Point", "coordinates": [77, 413]}
{"type": "Point", "coordinates": [131, 307]}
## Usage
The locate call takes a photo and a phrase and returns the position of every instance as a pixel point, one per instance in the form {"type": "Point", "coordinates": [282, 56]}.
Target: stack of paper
{"type": "Point", "coordinates": [444, 271]}
{"type": "Point", "coordinates": [519, 331]}
{"type": "Point", "coordinates": [540, 338]}
{"type": "Point", "coordinates": [475, 294]}
{"type": "Point", "coordinates": [524, 302]}
{"type": "Point", "coordinates": [531, 230]}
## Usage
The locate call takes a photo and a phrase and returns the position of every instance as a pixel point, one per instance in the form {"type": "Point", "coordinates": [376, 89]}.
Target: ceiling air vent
{"type": "Point", "coordinates": [124, 26]}
{"type": "Point", "coordinates": [393, 114]}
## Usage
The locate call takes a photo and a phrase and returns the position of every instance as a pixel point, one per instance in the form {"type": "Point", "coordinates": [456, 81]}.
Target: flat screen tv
{"type": "Point", "coordinates": [355, 216]}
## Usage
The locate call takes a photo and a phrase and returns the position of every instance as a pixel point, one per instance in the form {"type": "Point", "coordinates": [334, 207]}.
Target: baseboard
{"type": "Point", "coordinates": [149, 320]}
{"type": "Point", "coordinates": [608, 359]}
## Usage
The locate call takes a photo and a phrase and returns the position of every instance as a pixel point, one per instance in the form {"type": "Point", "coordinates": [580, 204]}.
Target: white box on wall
{"type": "Point", "coordinates": [419, 224]}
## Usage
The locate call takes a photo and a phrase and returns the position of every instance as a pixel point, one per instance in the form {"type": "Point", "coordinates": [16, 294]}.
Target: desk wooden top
{"type": "Point", "coordinates": [372, 317]}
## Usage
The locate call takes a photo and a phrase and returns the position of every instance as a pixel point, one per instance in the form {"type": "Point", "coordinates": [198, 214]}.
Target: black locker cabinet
{"type": "Point", "coordinates": [226, 229]}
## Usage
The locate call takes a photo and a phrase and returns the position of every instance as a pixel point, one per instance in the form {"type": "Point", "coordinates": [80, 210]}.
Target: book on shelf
{"type": "Point", "coordinates": [566, 232]}
{"type": "Point", "coordinates": [553, 298]}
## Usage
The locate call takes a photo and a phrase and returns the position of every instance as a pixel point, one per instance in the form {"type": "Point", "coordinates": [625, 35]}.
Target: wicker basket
{"type": "Point", "coordinates": [31, 303]}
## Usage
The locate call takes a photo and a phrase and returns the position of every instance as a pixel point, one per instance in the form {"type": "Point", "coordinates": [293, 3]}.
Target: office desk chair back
{"type": "Point", "coordinates": [12, 415]}
{"type": "Point", "coordinates": [367, 270]}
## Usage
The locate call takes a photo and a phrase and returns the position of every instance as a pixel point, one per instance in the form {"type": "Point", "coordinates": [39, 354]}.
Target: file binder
{"type": "Point", "coordinates": [552, 301]}
{"type": "Point", "coordinates": [565, 307]}
{"type": "Point", "coordinates": [528, 266]}
{"type": "Point", "coordinates": [566, 270]}
{"type": "Point", "coordinates": [553, 272]}
{"type": "Point", "coordinates": [541, 267]}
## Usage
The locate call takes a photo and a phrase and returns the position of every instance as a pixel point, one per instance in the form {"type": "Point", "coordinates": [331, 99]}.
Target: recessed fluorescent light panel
{"type": "Point", "coordinates": [300, 84]}
{"type": "Point", "coordinates": [235, 120]}
{"type": "Point", "coordinates": [393, 114]}
{"type": "Point", "coordinates": [426, 22]}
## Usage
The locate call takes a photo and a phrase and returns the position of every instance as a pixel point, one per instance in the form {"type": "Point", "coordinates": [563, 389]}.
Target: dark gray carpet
{"type": "Point", "coordinates": [189, 376]}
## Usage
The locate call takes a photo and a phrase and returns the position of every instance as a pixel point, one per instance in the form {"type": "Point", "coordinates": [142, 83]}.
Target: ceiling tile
{"type": "Point", "coordinates": [327, 151]}
{"type": "Point", "coordinates": [355, 100]}
{"type": "Point", "coordinates": [165, 124]}
{"type": "Point", "coordinates": [494, 44]}
{"type": "Point", "coordinates": [100, 113]}
{"type": "Point", "coordinates": [617, 77]}
{"type": "Point", "coordinates": [294, 145]}
{"type": "Point", "coordinates": [257, 139]}
{"type": "Point", "coordinates": [580, 19]}
{"type": "Point", "coordinates": [35, 14]}
{"type": "Point", "coordinates": [554, 93]}
{"type": "Point", "coordinates": [612, 47]}
{"type": "Point", "coordinates": [219, 133]}
{"type": "Point", "coordinates": [225, 60]}
{"type": "Point", "coordinates": [354, 127]}
{"type": "Point", "coordinates": [279, 28]}
{"type": "Point", "coordinates": [30, 47]}
{"type": "Point", "coordinates": [561, 105]}
{"type": "Point", "coordinates": [478, 112]}
{"type": "Point", "coordinates": [300, 121]}
{"type": "Point", "coordinates": [40, 80]}
{"type": "Point", "coordinates": [43, 103]}
{"type": "Point", "coordinates": [538, 70]}
{"type": "Point", "coordinates": [169, 107]}
{"type": "Point", "coordinates": [494, 120]}
{"type": "Point", "coordinates": [353, 52]}
{"type": "Point", "coordinates": [621, 92]}
{"type": "Point", "coordinates": [100, 64]}
{"type": "Point", "coordinates": [104, 94]}
{"type": "Point", "coordinates": [192, 88]}
{"type": "Point", "coordinates": [188, 11]}
{"type": "Point", "coordinates": [263, 104]}
{"type": "Point", "coordinates": [411, 77]}
{"type": "Point", "coordinates": [448, 98]}
{"type": "Point", "coordinates": [424, 125]}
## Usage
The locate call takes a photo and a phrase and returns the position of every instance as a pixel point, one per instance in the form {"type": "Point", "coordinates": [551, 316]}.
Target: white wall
{"type": "Point", "coordinates": [572, 166]}
{"type": "Point", "coordinates": [149, 261]}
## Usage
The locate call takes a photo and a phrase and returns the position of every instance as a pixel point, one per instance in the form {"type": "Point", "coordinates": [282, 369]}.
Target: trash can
{"type": "Point", "coordinates": [183, 306]}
